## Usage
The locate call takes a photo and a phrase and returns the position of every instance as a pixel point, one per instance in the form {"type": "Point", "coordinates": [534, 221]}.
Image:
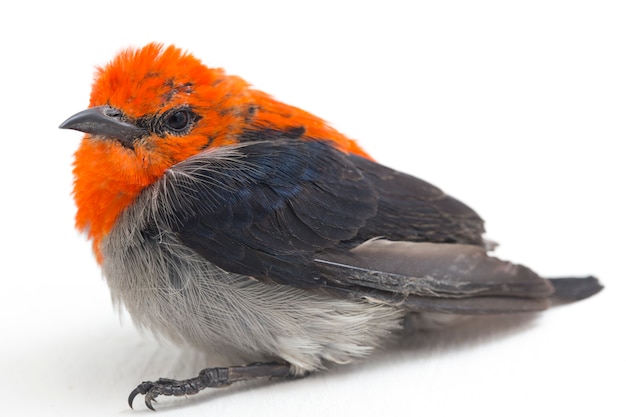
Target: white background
{"type": "Point", "coordinates": [518, 110]}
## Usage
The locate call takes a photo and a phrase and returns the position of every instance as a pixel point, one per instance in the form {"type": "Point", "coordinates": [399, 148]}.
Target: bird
{"type": "Point", "coordinates": [226, 220]}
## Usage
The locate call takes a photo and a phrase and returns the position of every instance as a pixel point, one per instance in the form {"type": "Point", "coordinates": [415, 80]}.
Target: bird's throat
{"type": "Point", "coordinates": [107, 179]}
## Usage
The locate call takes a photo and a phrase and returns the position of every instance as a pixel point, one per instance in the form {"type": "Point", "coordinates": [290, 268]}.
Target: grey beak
{"type": "Point", "coordinates": [104, 121]}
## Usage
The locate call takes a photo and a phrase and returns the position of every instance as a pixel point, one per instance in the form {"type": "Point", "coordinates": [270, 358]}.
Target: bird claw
{"type": "Point", "coordinates": [152, 389]}
{"type": "Point", "coordinates": [149, 399]}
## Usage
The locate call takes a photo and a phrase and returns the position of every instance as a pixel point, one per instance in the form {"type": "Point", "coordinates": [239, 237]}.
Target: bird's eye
{"type": "Point", "coordinates": [179, 120]}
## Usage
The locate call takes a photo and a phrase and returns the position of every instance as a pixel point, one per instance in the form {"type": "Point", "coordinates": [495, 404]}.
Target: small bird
{"type": "Point", "coordinates": [226, 220]}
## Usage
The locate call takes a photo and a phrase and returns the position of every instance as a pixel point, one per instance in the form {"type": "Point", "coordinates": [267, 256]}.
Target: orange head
{"type": "Point", "coordinates": [153, 107]}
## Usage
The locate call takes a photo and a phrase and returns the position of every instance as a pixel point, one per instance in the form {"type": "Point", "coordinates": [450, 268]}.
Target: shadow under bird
{"type": "Point", "coordinates": [229, 221]}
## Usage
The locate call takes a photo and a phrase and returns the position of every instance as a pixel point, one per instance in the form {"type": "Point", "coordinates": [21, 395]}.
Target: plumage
{"type": "Point", "coordinates": [227, 220]}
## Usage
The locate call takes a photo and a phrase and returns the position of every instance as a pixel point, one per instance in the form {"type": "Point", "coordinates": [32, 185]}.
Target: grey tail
{"type": "Point", "coordinates": [574, 289]}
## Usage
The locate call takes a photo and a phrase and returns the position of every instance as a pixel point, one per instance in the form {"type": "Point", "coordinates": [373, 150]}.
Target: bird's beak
{"type": "Point", "coordinates": [104, 121]}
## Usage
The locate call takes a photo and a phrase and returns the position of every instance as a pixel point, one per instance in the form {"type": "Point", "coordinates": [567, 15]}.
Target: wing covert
{"type": "Point", "coordinates": [265, 208]}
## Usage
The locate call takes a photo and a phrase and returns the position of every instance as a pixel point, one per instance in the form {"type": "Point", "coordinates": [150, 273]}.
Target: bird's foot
{"type": "Point", "coordinates": [207, 378]}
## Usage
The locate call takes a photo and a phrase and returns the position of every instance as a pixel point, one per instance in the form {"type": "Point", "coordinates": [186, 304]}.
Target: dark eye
{"type": "Point", "coordinates": [179, 120]}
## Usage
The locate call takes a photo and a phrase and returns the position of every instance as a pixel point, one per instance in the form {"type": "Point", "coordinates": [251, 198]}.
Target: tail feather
{"type": "Point", "coordinates": [573, 289]}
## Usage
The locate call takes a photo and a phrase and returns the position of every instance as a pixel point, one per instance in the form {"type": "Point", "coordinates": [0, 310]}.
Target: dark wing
{"type": "Point", "coordinates": [265, 209]}
{"type": "Point", "coordinates": [414, 210]}
{"type": "Point", "coordinates": [298, 212]}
